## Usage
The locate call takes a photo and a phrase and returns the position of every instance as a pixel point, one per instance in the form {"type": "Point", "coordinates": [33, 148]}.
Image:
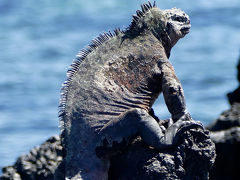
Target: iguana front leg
{"type": "Point", "coordinates": [172, 91]}
{"type": "Point", "coordinates": [174, 99]}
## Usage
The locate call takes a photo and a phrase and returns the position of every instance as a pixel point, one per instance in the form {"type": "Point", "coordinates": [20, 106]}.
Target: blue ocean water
{"type": "Point", "coordinates": [39, 39]}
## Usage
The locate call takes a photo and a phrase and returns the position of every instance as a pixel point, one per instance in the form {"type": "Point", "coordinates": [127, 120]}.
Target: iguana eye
{"type": "Point", "coordinates": [179, 18]}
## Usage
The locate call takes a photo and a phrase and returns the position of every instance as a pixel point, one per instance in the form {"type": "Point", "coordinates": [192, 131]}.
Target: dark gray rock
{"type": "Point", "coordinates": [191, 159]}
{"type": "Point", "coordinates": [228, 157]}
{"type": "Point", "coordinates": [234, 97]}
{"type": "Point", "coordinates": [39, 164]}
{"type": "Point", "coordinates": [228, 119]}
{"type": "Point", "coordinates": [10, 173]}
{"type": "Point", "coordinates": [226, 136]}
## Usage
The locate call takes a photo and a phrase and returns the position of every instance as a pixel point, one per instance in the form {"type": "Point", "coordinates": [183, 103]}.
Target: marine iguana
{"type": "Point", "coordinates": [111, 86]}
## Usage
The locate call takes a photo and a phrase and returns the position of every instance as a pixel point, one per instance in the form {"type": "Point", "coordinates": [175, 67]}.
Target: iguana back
{"type": "Point", "coordinates": [112, 79]}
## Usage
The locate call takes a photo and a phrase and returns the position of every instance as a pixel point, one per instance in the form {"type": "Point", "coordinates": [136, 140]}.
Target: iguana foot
{"type": "Point", "coordinates": [186, 125]}
{"type": "Point", "coordinates": [183, 126]}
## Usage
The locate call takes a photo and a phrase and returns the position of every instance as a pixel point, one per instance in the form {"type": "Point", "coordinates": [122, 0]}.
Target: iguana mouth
{"type": "Point", "coordinates": [185, 29]}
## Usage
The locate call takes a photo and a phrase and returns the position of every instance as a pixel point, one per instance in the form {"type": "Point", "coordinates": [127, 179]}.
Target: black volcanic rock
{"type": "Point", "coordinates": [228, 119]}
{"type": "Point", "coordinates": [226, 136]}
{"type": "Point", "coordinates": [191, 159]}
{"type": "Point", "coordinates": [235, 95]}
{"type": "Point", "coordinates": [228, 157]}
{"type": "Point", "coordinates": [39, 164]}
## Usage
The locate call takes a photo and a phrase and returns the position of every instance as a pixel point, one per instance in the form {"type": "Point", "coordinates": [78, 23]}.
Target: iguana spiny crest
{"type": "Point", "coordinates": [111, 86]}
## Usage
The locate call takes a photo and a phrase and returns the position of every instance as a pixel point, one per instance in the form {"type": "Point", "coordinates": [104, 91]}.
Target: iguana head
{"type": "Point", "coordinates": [167, 25]}
{"type": "Point", "coordinates": [177, 24]}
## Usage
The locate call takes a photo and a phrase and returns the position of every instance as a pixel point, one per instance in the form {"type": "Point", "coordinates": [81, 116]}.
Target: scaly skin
{"type": "Point", "coordinates": [110, 90]}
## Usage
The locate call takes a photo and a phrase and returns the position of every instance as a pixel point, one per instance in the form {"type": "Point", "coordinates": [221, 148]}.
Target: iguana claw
{"type": "Point", "coordinates": [187, 125]}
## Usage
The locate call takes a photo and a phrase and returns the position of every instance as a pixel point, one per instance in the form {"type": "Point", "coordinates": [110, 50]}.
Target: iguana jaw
{"type": "Point", "coordinates": [185, 30]}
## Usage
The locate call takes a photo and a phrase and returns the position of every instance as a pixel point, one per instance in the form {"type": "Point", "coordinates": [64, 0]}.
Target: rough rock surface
{"type": "Point", "coordinates": [227, 147]}
{"type": "Point", "coordinates": [228, 119]}
{"type": "Point", "coordinates": [39, 164]}
{"type": "Point", "coordinates": [226, 136]}
{"type": "Point", "coordinates": [235, 95]}
{"type": "Point", "coordinates": [192, 159]}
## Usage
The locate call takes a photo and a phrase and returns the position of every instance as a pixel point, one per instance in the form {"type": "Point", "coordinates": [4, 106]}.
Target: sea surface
{"type": "Point", "coordinates": [39, 39]}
